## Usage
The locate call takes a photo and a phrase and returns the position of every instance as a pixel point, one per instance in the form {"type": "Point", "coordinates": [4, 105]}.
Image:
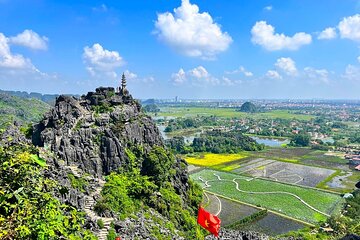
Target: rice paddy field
{"type": "Point", "coordinates": [228, 113]}
{"type": "Point", "coordinates": [271, 224]}
{"type": "Point", "coordinates": [324, 202]}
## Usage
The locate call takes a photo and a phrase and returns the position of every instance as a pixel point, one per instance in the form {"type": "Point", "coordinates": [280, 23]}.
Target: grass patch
{"type": "Point", "coordinates": [285, 204]}
{"type": "Point", "coordinates": [228, 113]}
{"type": "Point", "coordinates": [212, 159]}
{"type": "Point", "coordinates": [323, 183]}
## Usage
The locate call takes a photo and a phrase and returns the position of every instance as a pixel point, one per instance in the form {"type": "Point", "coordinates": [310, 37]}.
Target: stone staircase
{"type": "Point", "coordinates": [90, 203]}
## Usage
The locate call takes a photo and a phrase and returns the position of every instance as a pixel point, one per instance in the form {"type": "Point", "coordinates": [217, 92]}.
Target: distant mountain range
{"type": "Point", "coordinates": [48, 98]}
{"type": "Point", "coordinates": [20, 109]}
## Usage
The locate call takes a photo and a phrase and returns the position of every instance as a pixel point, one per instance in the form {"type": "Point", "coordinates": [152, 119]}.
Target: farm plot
{"type": "Point", "coordinates": [301, 203]}
{"type": "Point", "coordinates": [271, 224]}
{"type": "Point", "coordinates": [230, 212]}
{"type": "Point", "coordinates": [287, 172]}
{"type": "Point", "coordinates": [211, 159]}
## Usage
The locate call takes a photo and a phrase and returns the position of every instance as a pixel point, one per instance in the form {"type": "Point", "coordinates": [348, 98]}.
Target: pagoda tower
{"type": "Point", "coordinates": [123, 81]}
{"type": "Point", "coordinates": [123, 90]}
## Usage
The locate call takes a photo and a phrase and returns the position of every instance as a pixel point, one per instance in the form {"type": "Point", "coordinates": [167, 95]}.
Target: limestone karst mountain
{"type": "Point", "coordinates": [103, 132]}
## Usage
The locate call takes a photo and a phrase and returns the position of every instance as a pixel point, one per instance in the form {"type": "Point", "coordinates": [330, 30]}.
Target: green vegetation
{"type": "Point", "coordinates": [111, 234]}
{"type": "Point", "coordinates": [100, 223]}
{"type": "Point", "coordinates": [27, 208]}
{"type": "Point", "coordinates": [248, 219]}
{"type": "Point", "coordinates": [27, 130]}
{"type": "Point", "coordinates": [129, 190]}
{"type": "Point", "coordinates": [248, 107]}
{"type": "Point", "coordinates": [225, 142]}
{"type": "Point", "coordinates": [339, 225]}
{"type": "Point", "coordinates": [151, 108]}
{"type": "Point", "coordinates": [103, 107]}
{"type": "Point", "coordinates": [305, 156]}
{"type": "Point", "coordinates": [228, 113]}
{"type": "Point", "coordinates": [77, 183]}
{"type": "Point", "coordinates": [323, 183]}
{"type": "Point", "coordinates": [300, 140]}
{"type": "Point", "coordinates": [281, 203]}
{"type": "Point", "coordinates": [21, 110]}
{"type": "Point", "coordinates": [216, 142]}
{"type": "Point", "coordinates": [157, 165]}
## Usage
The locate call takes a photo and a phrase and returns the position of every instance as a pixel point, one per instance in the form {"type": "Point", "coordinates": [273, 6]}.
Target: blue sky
{"type": "Point", "coordinates": [196, 49]}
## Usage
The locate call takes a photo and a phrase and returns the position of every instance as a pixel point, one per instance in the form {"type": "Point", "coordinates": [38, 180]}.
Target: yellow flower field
{"type": "Point", "coordinates": [212, 159]}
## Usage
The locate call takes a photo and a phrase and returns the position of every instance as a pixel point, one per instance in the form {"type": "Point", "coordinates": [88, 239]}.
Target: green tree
{"type": "Point", "coordinates": [27, 208]}
{"type": "Point", "coordinates": [300, 140]}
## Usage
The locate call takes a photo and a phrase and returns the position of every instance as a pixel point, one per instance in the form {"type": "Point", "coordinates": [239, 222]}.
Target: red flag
{"type": "Point", "coordinates": [209, 221]}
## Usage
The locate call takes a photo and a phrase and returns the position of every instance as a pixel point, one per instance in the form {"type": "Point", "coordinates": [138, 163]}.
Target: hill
{"type": "Point", "coordinates": [102, 156]}
{"type": "Point", "coordinates": [22, 110]}
{"type": "Point", "coordinates": [248, 107]}
{"type": "Point", "coordinates": [48, 98]}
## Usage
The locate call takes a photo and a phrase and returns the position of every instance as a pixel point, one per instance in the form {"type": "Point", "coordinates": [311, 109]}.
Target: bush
{"type": "Point", "coordinates": [77, 183]}
{"type": "Point", "coordinates": [111, 234]}
{"type": "Point", "coordinates": [100, 223]}
{"type": "Point", "coordinates": [27, 208]}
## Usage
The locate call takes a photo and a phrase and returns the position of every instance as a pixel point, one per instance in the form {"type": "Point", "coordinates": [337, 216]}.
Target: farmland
{"type": "Point", "coordinates": [211, 159]}
{"type": "Point", "coordinates": [232, 211]}
{"type": "Point", "coordinates": [325, 203]}
{"type": "Point", "coordinates": [228, 113]}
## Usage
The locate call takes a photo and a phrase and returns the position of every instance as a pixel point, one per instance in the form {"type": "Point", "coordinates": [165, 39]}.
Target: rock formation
{"type": "Point", "coordinates": [92, 132]}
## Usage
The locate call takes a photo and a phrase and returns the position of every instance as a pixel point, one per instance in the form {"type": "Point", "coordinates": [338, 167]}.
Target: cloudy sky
{"type": "Point", "coordinates": [191, 49]}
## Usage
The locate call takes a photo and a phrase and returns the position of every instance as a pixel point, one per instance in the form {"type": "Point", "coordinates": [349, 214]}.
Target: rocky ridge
{"type": "Point", "coordinates": [88, 138]}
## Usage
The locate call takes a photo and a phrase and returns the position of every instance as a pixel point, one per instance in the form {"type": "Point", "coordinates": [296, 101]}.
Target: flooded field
{"type": "Point", "coordinates": [285, 172]}
{"type": "Point", "coordinates": [231, 212]}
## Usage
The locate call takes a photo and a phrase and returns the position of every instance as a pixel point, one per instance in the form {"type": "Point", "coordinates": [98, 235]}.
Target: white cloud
{"type": "Point", "coordinates": [321, 75]}
{"type": "Point", "coordinates": [102, 62]}
{"type": "Point", "coordinates": [358, 58]}
{"type": "Point", "coordinates": [242, 70]}
{"type": "Point", "coordinates": [272, 74]}
{"type": "Point", "coordinates": [268, 8]}
{"type": "Point", "coordinates": [287, 65]}
{"type": "Point", "coordinates": [328, 33]}
{"type": "Point", "coordinates": [9, 60]}
{"type": "Point", "coordinates": [101, 8]}
{"type": "Point", "coordinates": [130, 75]}
{"type": "Point", "coordinates": [15, 69]}
{"type": "Point", "coordinates": [198, 76]}
{"type": "Point", "coordinates": [264, 35]}
{"type": "Point", "coordinates": [133, 77]}
{"type": "Point", "coordinates": [199, 72]}
{"type": "Point", "coordinates": [192, 33]}
{"type": "Point", "coordinates": [179, 77]}
{"type": "Point", "coordinates": [352, 73]}
{"type": "Point", "coordinates": [30, 39]}
{"type": "Point", "coordinates": [229, 82]}
{"type": "Point", "coordinates": [349, 27]}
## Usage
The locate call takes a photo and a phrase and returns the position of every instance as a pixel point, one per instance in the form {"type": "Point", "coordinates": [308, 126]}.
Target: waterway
{"type": "Point", "coordinates": [271, 142]}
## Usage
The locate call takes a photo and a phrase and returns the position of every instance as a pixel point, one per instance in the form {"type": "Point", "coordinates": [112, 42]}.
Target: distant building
{"type": "Point", "coordinates": [355, 160]}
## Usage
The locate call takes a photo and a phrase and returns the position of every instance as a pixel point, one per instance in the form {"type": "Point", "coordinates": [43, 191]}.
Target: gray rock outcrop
{"type": "Point", "coordinates": [93, 132]}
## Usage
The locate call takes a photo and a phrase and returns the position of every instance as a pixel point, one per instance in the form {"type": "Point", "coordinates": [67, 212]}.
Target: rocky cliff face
{"type": "Point", "coordinates": [91, 136]}
{"type": "Point", "coordinates": [93, 132]}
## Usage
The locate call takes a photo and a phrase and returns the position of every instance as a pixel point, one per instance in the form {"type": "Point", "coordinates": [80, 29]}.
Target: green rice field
{"type": "Point", "coordinates": [290, 206]}
{"type": "Point", "coordinates": [228, 113]}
